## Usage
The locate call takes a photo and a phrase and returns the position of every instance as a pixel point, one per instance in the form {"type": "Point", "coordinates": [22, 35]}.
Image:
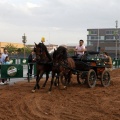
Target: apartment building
{"type": "Point", "coordinates": [104, 39]}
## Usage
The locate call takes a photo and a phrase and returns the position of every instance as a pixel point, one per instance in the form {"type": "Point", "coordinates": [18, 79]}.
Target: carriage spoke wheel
{"type": "Point", "coordinates": [105, 78]}
{"type": "Point", "coordinates": [91, 78]}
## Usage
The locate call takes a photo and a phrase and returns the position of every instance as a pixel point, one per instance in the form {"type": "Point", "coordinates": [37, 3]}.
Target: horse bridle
{"type": "Point", "coordinates": [41, 52]}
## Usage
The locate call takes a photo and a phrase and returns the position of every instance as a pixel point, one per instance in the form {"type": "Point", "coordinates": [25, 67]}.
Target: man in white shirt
{"type": "Point", "coordinates": [79, 50]}
{"type": "Point", "coordinates": [4, 54]}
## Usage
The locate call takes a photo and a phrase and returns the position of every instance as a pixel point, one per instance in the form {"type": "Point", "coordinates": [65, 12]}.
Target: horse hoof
{"type": "Point", "coordinates": [49, 92]}
{"type": "Point", "coordinates": [33, 91]}
{"type": "Point", "coordinates": [65, 87]}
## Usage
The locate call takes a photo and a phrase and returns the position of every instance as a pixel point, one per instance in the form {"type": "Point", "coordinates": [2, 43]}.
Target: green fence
{"type": "Point", "coordinates": [23, 61]}
{"type": "Point", "coordinates": [116, 63]}
{"type": "Point", "coordinates": [16, 71]}
{"type": "Point", "coordinates": [19, 61]}
{"type": "Point", "coordinates": [11, 71]}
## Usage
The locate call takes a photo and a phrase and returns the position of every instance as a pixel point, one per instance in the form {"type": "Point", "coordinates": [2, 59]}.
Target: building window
{"type": "Point", "coordinates": [110, 32]}
{"type": "Point", "coordinates": [109, 37]}
{"type": "Point", "coordinates": [89, 43]}
{"type": "Point", "coordinates": [93, 32]}
{"type": "Point", "coordinates": [102, 38]}
{"type": "Point", "coordinates": [95, 37]}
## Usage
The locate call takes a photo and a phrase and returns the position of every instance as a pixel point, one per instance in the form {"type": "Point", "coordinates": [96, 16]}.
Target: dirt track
{"type": "Point", "coordinates": [78, 102]}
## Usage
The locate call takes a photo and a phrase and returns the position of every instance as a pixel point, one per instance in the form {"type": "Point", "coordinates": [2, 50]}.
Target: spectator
{"type": "Point", "coordinates": [4, 80]}
{"type": "Point", "coordinates": [4, 54]}
{"type": "Point", "coordinates": [80, 49]}
{"type": "Point", "coordinates": [108, 62]}
{"type": "Point", "coordinates": [31, 60]}
{"type": "Point", "coordinates": [1, 83]}
{"type": "Point", "coordinates": [0, 58]}
{"type": "Point", "coordinates": [7, 60]}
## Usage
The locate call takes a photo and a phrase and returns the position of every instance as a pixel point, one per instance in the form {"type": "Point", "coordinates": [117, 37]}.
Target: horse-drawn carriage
{"type": "Point", "coordinates": [88, 69]}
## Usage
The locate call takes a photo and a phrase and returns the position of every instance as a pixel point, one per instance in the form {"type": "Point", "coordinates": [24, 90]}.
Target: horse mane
{"type": "Point", "coordinates": [41, 45]}
{"type": "Point", "coordinates": [62, 51]}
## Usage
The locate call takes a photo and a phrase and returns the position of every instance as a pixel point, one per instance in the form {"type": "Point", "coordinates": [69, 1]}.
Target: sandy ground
{"type": "Point", "coordinates": [78, 102]}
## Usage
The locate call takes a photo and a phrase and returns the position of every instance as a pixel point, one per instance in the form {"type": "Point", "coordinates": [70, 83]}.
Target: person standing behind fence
{"type": "Point", "coordinates": [80, 49]}
{"type": "Point", "coordinates": [4, 54]}
{"type": "Point", "coordinates": [1, 80]}
{"type": "Point", "coordinates": [0, 58]}
{"type": "Point", "coordinates": [6, 62]}
{"type": "Point", "coordinates": [31, 60]}
{"type": "Point", "coordinates": [108, 61]}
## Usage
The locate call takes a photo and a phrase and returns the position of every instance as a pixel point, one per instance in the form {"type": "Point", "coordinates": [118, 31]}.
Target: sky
{"type": "Point", "coordinates": [58, 21]}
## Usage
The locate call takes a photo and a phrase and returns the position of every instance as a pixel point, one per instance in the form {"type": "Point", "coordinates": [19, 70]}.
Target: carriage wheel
{"type": "Point", "coordinates": [80, 79]}
{"type": "Point", "coordinates": [91, 78]}
{"type": "Point", "coordinates": [105, 78]}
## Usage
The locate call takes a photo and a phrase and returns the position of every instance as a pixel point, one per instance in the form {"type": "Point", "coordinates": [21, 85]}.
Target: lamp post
{"type": "Point", "coordinates": [98, 42]}
{"type": "Point", "coordinates": [116, 37]}
{"type": "Point", "coordinates": [24, 41]}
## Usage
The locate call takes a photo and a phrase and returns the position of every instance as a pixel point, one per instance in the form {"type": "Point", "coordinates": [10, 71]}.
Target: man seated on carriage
{"type": "Point", "coordinates": [80, 49]}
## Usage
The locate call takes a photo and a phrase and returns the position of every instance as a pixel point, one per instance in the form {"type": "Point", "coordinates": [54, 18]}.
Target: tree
{"type": "Point", "coordinates": [11, 48]}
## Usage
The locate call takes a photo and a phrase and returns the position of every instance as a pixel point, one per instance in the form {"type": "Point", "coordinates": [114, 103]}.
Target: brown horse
{"type": "Point", "coordinates": [62, 65]}
{"type": "Point", "coordinates": [43, 64]}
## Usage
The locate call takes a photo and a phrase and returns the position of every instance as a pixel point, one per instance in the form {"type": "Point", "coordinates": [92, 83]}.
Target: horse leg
{"type": "Point", "coordinates": [37, 76]}
{"type": "Point", "coordinates": [47, 76]}
{"type": "Point", "coordinates": [37, 80]}
{"type": "Point", "coordinates": [36, 86]}
{"type": "Point", "coordinates": [64, 80]}
{"type": "Point", "coordinates": [53, 75]}
{"type": "Point", "coordinates": [56, 82]}
{"type": "Point", "coordinates": [69, 77]}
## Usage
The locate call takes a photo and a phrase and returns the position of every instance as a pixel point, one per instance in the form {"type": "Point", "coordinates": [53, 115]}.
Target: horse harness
{"type": "Point", "coordinates": [64, 64]}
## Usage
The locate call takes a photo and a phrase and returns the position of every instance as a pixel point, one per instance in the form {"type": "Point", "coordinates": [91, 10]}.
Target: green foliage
{"type": "Point", "coordinates": [11, 48]}
{"type": "Point", "coordinates": [14, 49]}
{"type": "Point", "coordinates": [71, 51]}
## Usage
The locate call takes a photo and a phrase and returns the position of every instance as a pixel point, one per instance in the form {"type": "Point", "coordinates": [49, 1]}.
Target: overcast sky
{"type": "Point", "coordinates": [59, 21]}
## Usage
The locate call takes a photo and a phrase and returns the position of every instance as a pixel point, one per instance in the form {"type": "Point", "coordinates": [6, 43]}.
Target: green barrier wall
{"type": "Point", "coordinates": [115, 63]}
{"type": "Point", "coordinates": [23, 61]}
{"type": "Point", "coordinates": [13, 61]}
{"type": "Point", "coordinates": [11, 71]}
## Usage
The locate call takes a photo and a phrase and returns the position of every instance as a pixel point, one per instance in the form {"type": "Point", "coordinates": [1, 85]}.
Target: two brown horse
{"type": "Point", "coordinates": [43, 64]}
{"type": "Point", "coordinates": [62, 66]}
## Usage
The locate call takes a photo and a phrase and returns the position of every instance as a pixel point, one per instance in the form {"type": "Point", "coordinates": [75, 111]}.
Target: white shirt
{"type": "Point", "coordinates": [80, 48]}
{"type": "Point", "coordinates": [3, 57]}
